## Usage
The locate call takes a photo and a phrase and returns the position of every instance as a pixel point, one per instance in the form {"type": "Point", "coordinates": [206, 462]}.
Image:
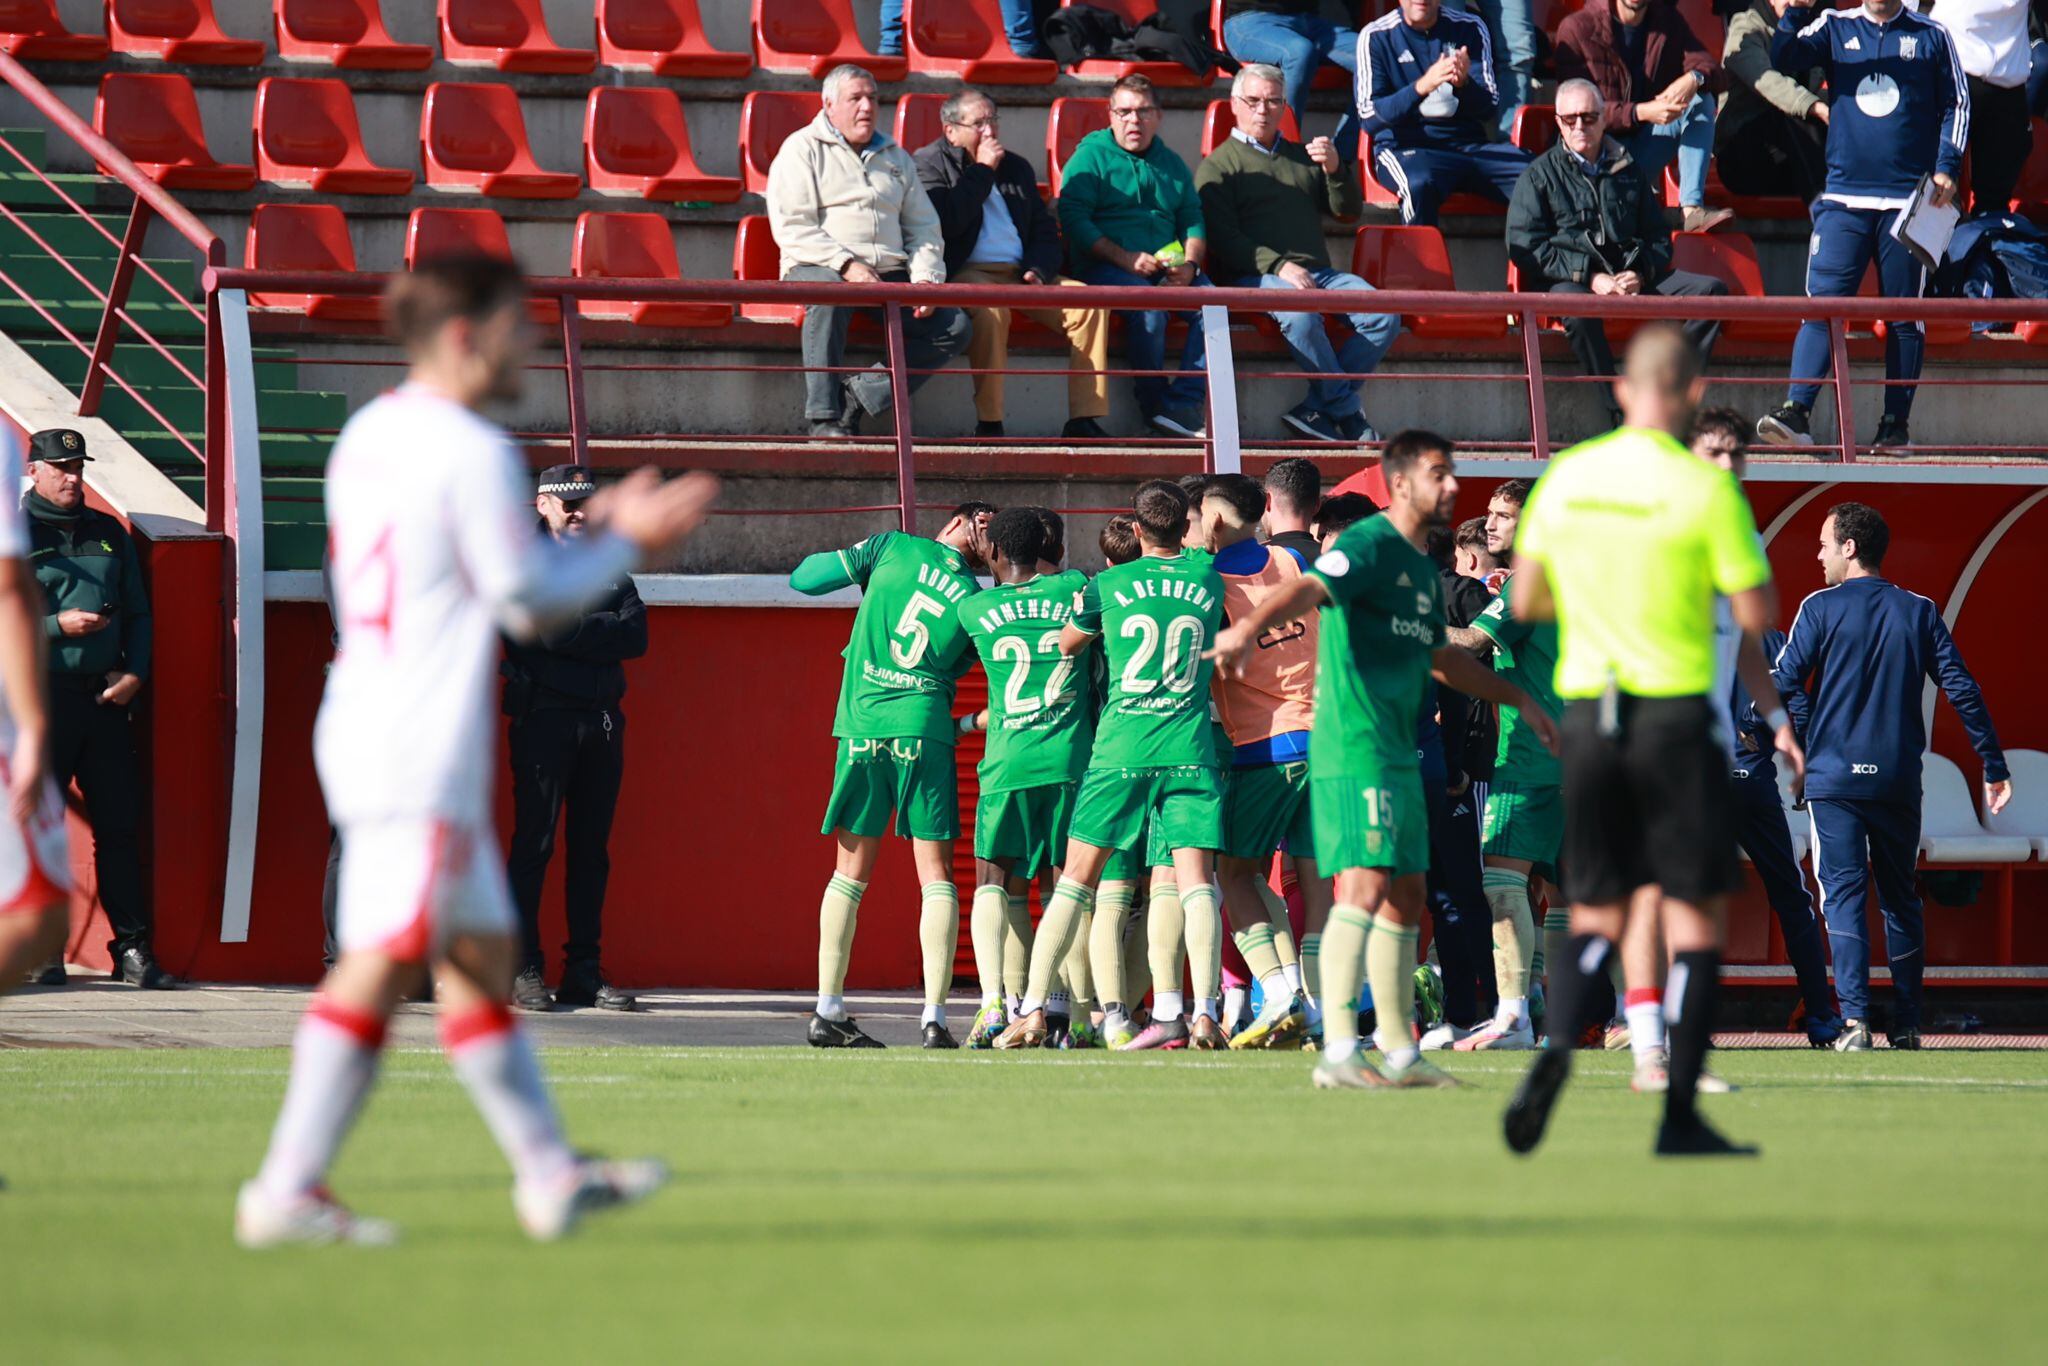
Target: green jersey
{"type": "Point", "coordinates": [1526, 656]}
{"type": "Point", "coordinates": [1157, 618]}
{"type": "Point", "coordinates": [1384, 620]}
{"type": "Point", "coordinates": [1039, 723]}
{"type": "Point", "coordinates": [908, 648]}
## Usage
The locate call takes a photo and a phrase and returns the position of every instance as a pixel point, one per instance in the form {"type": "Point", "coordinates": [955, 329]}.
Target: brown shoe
{"type": "Point", "coordinates": [1206, 1036]}
{"type": "Point", "coordinates": [1698, 218]}
{"type": "Point", "coordinates": [1026, 1031]}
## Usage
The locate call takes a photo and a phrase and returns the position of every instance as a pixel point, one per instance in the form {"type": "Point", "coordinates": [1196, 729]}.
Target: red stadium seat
{"type": "Point", "coordinates": [917, 120]}
{"type": "Point", "coordinates": [32, 31]}
{"type": "Point", "coordinates": [1779, 206]}
{"type": "Point", "coordinates": [1731, 257]}
{"type": "Point", "coordinates": [306, 237]}
{"type": "Point", "coordinates": [473, 141]}
{"type": "Point", "coordinates": [1159, 73]}
{"type": "Point", "coordinates": [1378, 195]}
{"type": "Point", "coordinates": [767, 118]}
{"type": "Point", "coordinates": [636, 246]}
{"type": "Point", "coordinates": [180, 31]}
{"type": "Point", "coordinates": [1943, 332]}
{"type": "Point", "coordinates": [510, 35]}
{"type": "Point", "coordinates": [1073, 118]}
{"type": "Point", "coordinates": [432, 232]}
{"type": "Point", "coordinates": [662, 36]}
{"type": "Point", "coordinates": [2030, 196]}
{"type": "Point", "coordinates": [307, 136]}
{"type": "Point", "coordinates": [635, 142]}
{"type": "Point", "coordinates": [1218, 122]}
{"type": "Point", "coordinates": [756, 257]}
{"type": "Point", "coordinates": [813, 36]}
{"type": "Point", "coordinates": [1416, 258]}
{"type": "Point", "coordinates": [965, 38]}
{"type": "Point", "coordinates": [1706, 25]}
{"type": "Point", "coordinates": [348, 34]}
{"type": "Point", "coordinates": [154, 120]}
{"type": "Point", "coordinates": [1535, 129]}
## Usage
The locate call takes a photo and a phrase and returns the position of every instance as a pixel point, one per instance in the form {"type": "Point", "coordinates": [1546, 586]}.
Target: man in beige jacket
{"type": "Point", "coordinates": [845, 204]}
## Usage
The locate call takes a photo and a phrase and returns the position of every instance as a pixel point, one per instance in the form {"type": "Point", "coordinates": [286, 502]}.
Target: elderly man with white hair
{"type": "Point", "coordinates": [845, 204]}
{"type": "Point", "coordinates": [1263, 199]}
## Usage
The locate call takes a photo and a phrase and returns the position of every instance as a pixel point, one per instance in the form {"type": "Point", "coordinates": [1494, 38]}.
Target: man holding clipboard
{"type": "Point", "coordinates": [1899, 117]}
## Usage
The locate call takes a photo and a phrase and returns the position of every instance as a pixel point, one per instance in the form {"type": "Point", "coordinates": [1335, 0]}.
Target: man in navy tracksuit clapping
{"type": "Point", "coordinates": [1427, 98]}
{"type": "Point", "coordinates": [1899, 110]}
{"type": "Point", "coordinates": [1852, 672]}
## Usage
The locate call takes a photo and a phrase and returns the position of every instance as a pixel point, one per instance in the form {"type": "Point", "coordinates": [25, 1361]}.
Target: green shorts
{"type": "Point", "coordinates": [1133, 864]}
{"type": "Point", "coordinates": [914, 778]}
{"type": "Point", "coordinates": [1183, 805]}
{"type": "Point", "coordinates": [1524, 823]}
{"type": "Point", "coordinates": [1372, 821]}
{"type": "Point", "coordinates": [1264, 806]}
{"type": "Point", "coordinates": [1025, 827]}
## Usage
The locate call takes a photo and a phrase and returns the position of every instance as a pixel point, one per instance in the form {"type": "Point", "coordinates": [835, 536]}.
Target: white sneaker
{"type": "Point", "coordinates": [317, 1218]}
{"type": "Point", "coordinates": [1447, 1035]}
{"type": "Point", "coordinates": [1496, 1035]}
{"type": "Point", "coordinates": [1712, 1085]}
{"type": "Point", "coordinates": [548, 1211]}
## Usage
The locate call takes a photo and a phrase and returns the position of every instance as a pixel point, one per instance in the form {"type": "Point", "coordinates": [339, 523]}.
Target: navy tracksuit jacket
{"type": "Point", "coordinates": [1425, 149]}
{"type": "Point", "coordinates": [1852, 671]}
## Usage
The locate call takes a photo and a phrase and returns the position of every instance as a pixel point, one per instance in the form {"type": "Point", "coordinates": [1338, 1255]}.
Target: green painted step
{"type": "Point", "coordinates": [282, 451]}
{"type": "Point", "coordinates": [294, 530]}
{"type": "Point", "coordinates": [32, 143]}
{"type": "Point", "coordinates": [63, 231]}
{"type": "Point", "coordinates": [142, 365]}
{"type": "Point", "coordinates": [47, 279]}
{"type": "Point", "coordinates": [82, 316]}
{"type": "Point", "coordinates": [185, 407]}
{"type": "Point", "coordinates": [18, 188]}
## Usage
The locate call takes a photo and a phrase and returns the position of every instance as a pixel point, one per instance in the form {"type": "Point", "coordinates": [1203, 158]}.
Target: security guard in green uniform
{"type": "Point", "coordinates": [98, 624]}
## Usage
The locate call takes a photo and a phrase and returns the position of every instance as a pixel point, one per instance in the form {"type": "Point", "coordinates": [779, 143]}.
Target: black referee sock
{"type": "Point", "coordinates": [1690, 996]}
{"type": "Point", "coordinates": [1571, 987]}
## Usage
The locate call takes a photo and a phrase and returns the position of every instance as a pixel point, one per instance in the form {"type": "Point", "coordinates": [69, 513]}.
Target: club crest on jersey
{"type": "Point", "coordinates": [1909, 47]}
{"type": "Point", "coordinates": [1422, 604]}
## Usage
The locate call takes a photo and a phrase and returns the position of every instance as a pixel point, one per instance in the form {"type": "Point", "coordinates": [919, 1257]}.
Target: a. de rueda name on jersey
{"type": "Point", "coordinates": [1027, 609]}
{"type": "Point", "coordinates": [1185, 590]}
{"type": "Point", "coordinates": [944, 582]}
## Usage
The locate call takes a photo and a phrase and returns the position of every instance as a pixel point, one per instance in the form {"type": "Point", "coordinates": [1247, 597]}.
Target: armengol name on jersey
{"type": "Point", "coordinates": [1013, 608]}
{"type": "Point", "coordinates": [1188, 590]}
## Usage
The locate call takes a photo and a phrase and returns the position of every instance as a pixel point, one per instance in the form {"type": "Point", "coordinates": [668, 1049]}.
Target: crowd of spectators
{"type": "Point", "coordinates": [1849, 110]}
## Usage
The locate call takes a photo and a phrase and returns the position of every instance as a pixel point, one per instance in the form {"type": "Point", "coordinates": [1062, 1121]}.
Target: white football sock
{"type": "Point", "coordinates": [334, 1063]}
{"type": "Point", "coordinates": [495, 1062]}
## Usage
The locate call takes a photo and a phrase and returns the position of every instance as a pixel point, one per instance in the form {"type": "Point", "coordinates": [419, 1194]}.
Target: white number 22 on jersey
{"type": "Point", "coordinates": [914, 637]}
{"type": "Point", "coordinates": [1013, 650]}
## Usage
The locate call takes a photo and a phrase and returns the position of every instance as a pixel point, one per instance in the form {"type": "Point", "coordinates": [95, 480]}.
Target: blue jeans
{"type": "Point", "coordinates": [1511, 28]}
{"type": "Point", "coordinates": [1145, 345]}
{"type": "Point", "coordinates": [1843, 244]}
{"type": "Point", "coordinates": [1299, 44]}
{"type": "Point", "coordinates": [1309, 340]}
{"type": "Point", "coordinates": [1020, 26]}
{"type": "Point", "coordinates": [1689, 138]}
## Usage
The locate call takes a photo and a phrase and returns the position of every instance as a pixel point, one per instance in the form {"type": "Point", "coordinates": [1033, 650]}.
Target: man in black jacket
{"type": "Point", "coordinates": [999, 232]}
{"type": "Point", "coordinates": [568, 745]}
{"type": "Point", "coordinates": [1584, 220]}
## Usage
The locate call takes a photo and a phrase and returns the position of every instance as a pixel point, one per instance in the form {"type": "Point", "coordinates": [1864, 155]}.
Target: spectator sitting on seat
{"type": "Point", "coordinates": [1294, 36]}
{"type": "Point", "coordinates": [1584, 221]}
{"type": "Point", "coordinates": [845, 204]}
{"type": "Point", "coordinates": [1263, 200]}
{"type": "Point", "coordinates": [1020, 27]}
{"type": "Point", "coordinates": [1654, 77]}
{"type": "Point", "coordinates": [1427, 98]}
{"type": "Point", "coordinates": [999, 232]}
{"type": "Point", "coordinates": [1131, 216]}
{"type": "Point", "coordinates": [1990, 39]}
{"type": "Point", "coordinates": [1770, 137]}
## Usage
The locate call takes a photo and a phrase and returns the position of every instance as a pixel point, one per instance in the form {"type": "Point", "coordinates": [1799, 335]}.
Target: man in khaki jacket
{"type": "Point", "coordinates": [845, 204]}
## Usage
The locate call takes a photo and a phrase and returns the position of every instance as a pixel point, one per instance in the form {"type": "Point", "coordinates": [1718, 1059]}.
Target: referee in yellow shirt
{"type": "Point", "coordinates": [1626, 542]}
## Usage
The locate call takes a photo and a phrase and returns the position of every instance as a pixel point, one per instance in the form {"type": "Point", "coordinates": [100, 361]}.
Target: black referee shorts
{"type": "Point", "coordinates": [1651, 804]}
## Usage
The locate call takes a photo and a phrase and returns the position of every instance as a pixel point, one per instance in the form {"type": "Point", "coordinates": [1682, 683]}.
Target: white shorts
{"type": "Point", "coordinates": [35, 859]}
{"type": "Point", "coordinates": [410, 884]}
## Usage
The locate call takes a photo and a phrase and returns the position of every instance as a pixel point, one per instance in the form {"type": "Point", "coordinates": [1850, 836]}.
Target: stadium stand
{"type": "Point", "coordinates": [766, 118]}
{"type": "Point", "coordinates": [509, 35]}
{"type": "Point", "coordinates": [2030, 196]}
{"type": "Point", "coordinates": [665, 37]}
{"type": "Point", "coordinates": [297, 237]}
{"type": "Point", "coordinates": [1731, 257]}
{"type": "Point", "coordinates": [812, 37]}
{"type": "Point", "coordinates": [33, 31]}
{"type": "Point", "coordinates": [636, 142]}
{"type": "Point", "coordinates": [348, 34]}
{"type": "Point", "coordinates": [473, 138]}
{"type": "Point", "coordinates": [308, 137]}
{"type": "Point", "coordinates": [1378, 196]}
{"type": "Point", "coordinates": [154, 120]}
{"type": "Point", "coordinates": [1072, 119]}
{"type": "Point", "coordinates": [964, 38]}
{"type": "Point", "coordinates": [755, 257]}
{"type": "Point", "coordinates": [432, 231]}
{"type": "Point", "coordinates": [1414, 257]}
{"type": "Point", "coordinates": [1169, 74]}
{"type": "Point", "coordinates": [180, 31]}
{"type": "Point", "coordinates": [917, 120]}
{"type": "Point", "coordinates": [636, 246]}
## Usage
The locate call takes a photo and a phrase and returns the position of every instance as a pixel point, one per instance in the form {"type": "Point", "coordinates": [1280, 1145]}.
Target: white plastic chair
{"type": "Point", "coordinates": [1949, 829]}
{"type": "Point", "coordinates": [2026, 815]}
{"type": "Point", "coordinates": [1797, 820]}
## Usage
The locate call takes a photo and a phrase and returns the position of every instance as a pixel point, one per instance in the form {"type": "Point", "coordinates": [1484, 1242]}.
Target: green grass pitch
{"type": "Point", "coordinates": [904, 1207]}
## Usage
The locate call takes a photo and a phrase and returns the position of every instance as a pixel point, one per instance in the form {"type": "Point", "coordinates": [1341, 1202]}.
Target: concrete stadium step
{"type": "Point", "coordinates": [141, 365]}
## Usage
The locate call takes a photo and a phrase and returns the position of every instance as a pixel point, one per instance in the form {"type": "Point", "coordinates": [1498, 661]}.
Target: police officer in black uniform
{"type": "Point", "coordinates": [568, 746]}
{"type": "Point", "coordinates": [98, 624]}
